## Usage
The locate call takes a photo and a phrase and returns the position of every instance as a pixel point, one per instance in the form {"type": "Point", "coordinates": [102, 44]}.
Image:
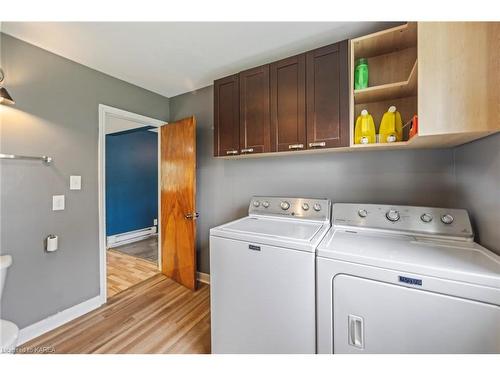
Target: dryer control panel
{"type": "Point", "coordinates": [300, 208]}
{"type": "Point", "coordinates": [432, 221]}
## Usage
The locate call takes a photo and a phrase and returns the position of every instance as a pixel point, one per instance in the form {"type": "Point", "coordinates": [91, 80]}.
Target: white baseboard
{"type": "Point", "coordinates": [129, 237]}
{"type": "Point", "coordinates": [48, 324]}
{"type": "Point", "coordinates": [203, 277]}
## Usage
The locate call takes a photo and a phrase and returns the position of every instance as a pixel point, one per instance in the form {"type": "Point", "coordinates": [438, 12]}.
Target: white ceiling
{"type": "Point", "coordinates": [171, 58]}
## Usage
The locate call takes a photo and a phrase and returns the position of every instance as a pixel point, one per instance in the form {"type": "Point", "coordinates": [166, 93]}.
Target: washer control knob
{"type": "Point", "coordinates": [447, 219]}
{"type": "Point", "coordinates": [285, 205]}
{"type": "Point", "coordinates": [426, 218]}
{"type": "Point", "coordinates": [363, 213]}
{"type": "Point", "coordinates": [317, 207]}
{"type": "Point", "coordinates": [265, 204]}
{"type": "Point", "coordinates": [256, 203]}
{"type": "Point", "coordinates": [392, 215]}
{"type": "Point", "coordinates": [305, 206]}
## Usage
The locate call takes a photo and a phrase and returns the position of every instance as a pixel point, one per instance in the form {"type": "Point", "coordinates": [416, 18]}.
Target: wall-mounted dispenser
{"type": "Point", "coordinates": [51, 243]}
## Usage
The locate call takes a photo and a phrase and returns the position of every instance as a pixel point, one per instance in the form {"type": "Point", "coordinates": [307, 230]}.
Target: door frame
{"type": "Point", "coordinates": [104, 111]}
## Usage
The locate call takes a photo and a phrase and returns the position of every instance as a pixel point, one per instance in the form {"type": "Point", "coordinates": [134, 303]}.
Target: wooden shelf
{"type": "Point", "coordinates": [389, 91]}
{"type": "Point", "coordinates": [386, 41]}
{"type": "Point", "coordinates": [381, 146]}
{"type": "Point", "coordinates": [393, 75]}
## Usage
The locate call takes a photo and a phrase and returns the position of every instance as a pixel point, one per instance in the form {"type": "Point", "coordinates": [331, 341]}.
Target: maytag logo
{"type": "Point", "coordinates": [409, 280]}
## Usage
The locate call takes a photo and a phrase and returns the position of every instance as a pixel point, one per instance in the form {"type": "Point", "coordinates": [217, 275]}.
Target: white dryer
{"type": "Point", "coordinates": [262, 277]}
{"type": "Point", "coordinates": [401, 279]}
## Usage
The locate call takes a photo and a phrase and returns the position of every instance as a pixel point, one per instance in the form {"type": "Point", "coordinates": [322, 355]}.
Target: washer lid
{"type": "Point", "coordinates": [295, 234]}
{"type": "Point", "coordinates": [287, 229]}
{"type": "Point", "coordinates": [456, 260]}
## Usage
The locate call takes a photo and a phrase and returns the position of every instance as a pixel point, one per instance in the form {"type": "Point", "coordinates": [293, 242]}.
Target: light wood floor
{"type": "Point", "coordinates": [155, 316]}
{"type": "Point", "coordinates": [124, 270]}
{"type": "Point", "coordinates": [145, 249]}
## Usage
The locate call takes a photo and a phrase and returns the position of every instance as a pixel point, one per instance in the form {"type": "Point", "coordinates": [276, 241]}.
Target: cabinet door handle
{"type": "Point", "coordinates": [317, 144]}
{"type": "Point", "coordinates": [297, 146]}
{"type": "Point", "coordinates": [232, 152]}
{"type": "Point", "coordinates": [246, 150]}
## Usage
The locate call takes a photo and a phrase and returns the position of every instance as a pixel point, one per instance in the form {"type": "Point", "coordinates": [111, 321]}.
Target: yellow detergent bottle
{"type": "Point", "coordinates": [391, 126]}
{"type": "Point", "coordinates": [364, 131]}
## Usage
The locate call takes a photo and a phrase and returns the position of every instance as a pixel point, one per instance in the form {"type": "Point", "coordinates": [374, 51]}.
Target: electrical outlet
{"type": "Point", "coordinates": [155, 222]}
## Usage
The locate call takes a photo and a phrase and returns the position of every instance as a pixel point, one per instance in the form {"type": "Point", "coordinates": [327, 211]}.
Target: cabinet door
{"type": "Point", "coordinates": [288, 111]}
{"type": "Point", "coordinates": [327, 96]}
{"type": "Point", "coordinates": [255, 134]}
{"type": "Point", "coordinates": [458, 79]}
{"type": "Point", "coordinates": [226, 116]}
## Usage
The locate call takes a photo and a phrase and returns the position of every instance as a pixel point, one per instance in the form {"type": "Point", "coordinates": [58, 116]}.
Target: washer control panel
{"type": "Point", "coordinates": [425, 220]}
{"type": "Point", "coordinates": [303, 208]}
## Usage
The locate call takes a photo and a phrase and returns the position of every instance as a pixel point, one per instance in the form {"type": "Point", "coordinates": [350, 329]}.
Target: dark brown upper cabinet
{"type": "Point", "coordinates": [227, 116]}
{"type": "Point", "coordinates": [288, 107]}
{"type": "Point", "coordinates": [301, 102]}
{"type": "Point", "coordinates": [327, 96]}
{"type": "Point", "coordinates": [255, 132]}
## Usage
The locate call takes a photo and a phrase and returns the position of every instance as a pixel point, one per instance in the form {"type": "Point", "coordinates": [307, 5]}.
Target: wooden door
{"type": "Point", "coordinates": [178, 203]}
{"type": "Point", "coordinates": [327, 96]}
{"type": "Point", "coordinates": [255, 132]}
{"type": "Point", "coordinates": [288, 111]}
{"type": "Point", "coordinates": [227, 116]}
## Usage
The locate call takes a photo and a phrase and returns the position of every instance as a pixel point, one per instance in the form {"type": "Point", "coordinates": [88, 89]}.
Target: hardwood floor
{"type": "Point", "coordinates": [155, 316]}
{"type": "Point", "coordinates": [145, 249]}
{"type": "Point", "coordinates": [124, 270]}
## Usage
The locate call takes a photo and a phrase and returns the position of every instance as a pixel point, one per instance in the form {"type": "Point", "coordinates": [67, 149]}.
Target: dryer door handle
{"type": "Point", "coordinates": [356, 331]}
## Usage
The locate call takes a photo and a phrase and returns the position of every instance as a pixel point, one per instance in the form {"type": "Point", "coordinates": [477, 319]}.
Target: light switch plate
{"type": "Point", "coordinates": [57, 202]}
{"type": "Point", "coordinates": [75, 182]}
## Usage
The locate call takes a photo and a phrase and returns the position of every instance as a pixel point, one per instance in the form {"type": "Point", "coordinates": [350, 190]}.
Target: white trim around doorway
{"type": "Point", "coordinates": [104, 111]}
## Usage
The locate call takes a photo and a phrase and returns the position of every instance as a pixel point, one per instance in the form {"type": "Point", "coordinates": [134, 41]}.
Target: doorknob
{"type": "Point", "coordinates": [192, 215]}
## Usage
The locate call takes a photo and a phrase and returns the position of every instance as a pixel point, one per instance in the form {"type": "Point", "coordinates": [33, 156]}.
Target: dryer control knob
{"type": "Point", "coordinates": [305, 206]}
{"type": "Point", "coordinates": [265, 204]}
{"type": "Point", "coordinates": [363, 213]}
{"type": "Point", "coordinates": [256, 203]}
{"type": "Point", "coordinates": [317, 207]}
{"type": "Point", "coordinates": [447, 219]}
{"type": "Point", "coordinates": [392, 215]}
{"type": "Point", "coordinates": [285, 205]}
{"type": "Point", "coordinates": [426, 218]}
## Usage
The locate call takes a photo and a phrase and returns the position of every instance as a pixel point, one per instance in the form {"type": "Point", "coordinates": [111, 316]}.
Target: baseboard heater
{"type": "Point", "coordinates": [129, 237]}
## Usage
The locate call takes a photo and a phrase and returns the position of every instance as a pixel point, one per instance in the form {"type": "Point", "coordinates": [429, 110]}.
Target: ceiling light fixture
{"type": "Point", "coordinates": [5, 97]}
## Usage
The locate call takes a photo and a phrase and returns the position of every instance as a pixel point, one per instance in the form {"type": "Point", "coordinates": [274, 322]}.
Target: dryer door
{"type": "Point", "coordinates": [376, 317]}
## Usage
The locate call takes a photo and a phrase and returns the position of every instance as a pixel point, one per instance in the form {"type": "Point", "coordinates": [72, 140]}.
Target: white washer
{"type": "Point", "coordinates": [400, 279]}
{"type": "Point", "coordinates": [262, 277]}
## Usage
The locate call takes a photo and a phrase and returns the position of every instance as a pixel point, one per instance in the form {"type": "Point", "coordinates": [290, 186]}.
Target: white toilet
{"type": "Point", "coordinates": [8, 330]}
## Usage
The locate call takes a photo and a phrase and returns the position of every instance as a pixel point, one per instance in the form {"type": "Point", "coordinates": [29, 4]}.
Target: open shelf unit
{"type": "Point", "coordinates": [393, 77]}
{"type": "Point", "coordinates": [386, 91]}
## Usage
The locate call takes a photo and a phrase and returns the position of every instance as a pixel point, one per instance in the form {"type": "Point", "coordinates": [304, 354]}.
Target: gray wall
{"type": "Point", "coordinates": [56, 113]}
{"type": "Point", "coordinates": [225, 186]}
{"type": "Point", "coordinates": [477, 167]}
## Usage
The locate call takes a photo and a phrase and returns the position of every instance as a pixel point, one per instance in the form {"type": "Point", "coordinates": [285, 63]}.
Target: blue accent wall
{"type": "Point", "coordinates": [131, 181]}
